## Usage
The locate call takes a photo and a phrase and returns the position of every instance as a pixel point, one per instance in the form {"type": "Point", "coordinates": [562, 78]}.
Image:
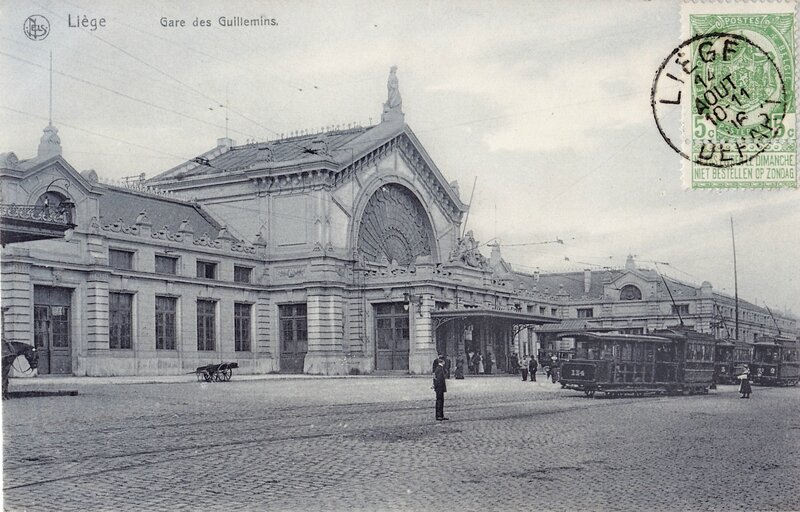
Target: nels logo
{"type": "Point", "coordinates": [36, 27]}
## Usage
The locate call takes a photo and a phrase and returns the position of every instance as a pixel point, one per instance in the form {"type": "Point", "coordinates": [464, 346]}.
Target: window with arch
{"type": "Point", "coordinates": [630, 292]}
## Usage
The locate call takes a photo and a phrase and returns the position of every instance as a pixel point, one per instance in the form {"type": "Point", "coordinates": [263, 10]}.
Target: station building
{"type": "Point", "coordinates": [336, 252]}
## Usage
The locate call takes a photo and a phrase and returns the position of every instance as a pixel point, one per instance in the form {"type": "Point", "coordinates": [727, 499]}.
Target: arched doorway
{"type": "Point", "coordinates": [394, 229]}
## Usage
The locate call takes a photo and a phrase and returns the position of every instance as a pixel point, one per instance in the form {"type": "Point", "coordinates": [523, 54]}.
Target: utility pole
{"type": "Point", "coordinates": [735, 283]}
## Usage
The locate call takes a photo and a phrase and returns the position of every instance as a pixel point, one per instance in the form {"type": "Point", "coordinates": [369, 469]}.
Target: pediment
{"type": "Point", "coordinates": [409, 148]}
{"type": "Point", "coordinates": [57, 171]}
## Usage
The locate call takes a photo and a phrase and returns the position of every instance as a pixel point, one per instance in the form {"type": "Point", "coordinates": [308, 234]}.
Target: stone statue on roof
{"type": "Point", "coordinates": [466, 252]}
{"type": "Point", "coordinates": [394, 101]}
{"type": "Point", "coordinates": [393, 108]}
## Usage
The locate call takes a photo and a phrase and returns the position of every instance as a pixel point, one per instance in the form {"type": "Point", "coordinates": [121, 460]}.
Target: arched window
{"type": "Point", "coordinates": [51, 200]}
{"type": "Point", "coordinates": [630, 292]}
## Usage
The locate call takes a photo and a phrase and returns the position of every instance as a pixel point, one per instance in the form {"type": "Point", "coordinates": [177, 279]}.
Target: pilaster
{"type": "Point", "coordinates": [96, 313]}
{"type": "Point", "coordinates": [325, 320]}
{"type": "Point", "coordinates": [423, 347]}
{"type": "Point", "coordinates": [17, 301]}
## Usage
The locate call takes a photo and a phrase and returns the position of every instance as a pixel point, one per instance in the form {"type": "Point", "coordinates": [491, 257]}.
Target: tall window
{"type": "Point", "coordinates": [241, 326]}
{"type": "Point", "coordinates": [585, 312]}
{"type": "Point", "coordinates": [166, 264]}
{"type": "Point", "coordinates": [165, 322]}
{"type": "Point", "coordinates": [122, 260]}
{"type": "Point", "coordinates": [206, 324]}
{"type": "Point", "coordinates": [120, 320]}
{"type": "Point", "coordinates": [242, 274]}
{"type": "Point", "coordinates": [206, 269]}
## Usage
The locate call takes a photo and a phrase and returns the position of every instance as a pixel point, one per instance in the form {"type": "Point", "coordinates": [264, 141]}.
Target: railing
{"type": "Point", "coordinates": [56, 215]}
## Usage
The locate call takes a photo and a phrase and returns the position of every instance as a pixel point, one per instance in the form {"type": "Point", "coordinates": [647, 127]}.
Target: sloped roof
{"type": "Point", "coordinates": [121, 203]}
{"type": "Point", "coordinates": [572, 283]}
{"type": "Point", "coordinates": [291, 149]}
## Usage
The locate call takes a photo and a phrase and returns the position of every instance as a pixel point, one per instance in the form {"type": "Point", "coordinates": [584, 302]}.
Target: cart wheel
{"type": "Point", "coordinates": [225, 375]}
{"type": "Point", "coordinates": [589, 393]}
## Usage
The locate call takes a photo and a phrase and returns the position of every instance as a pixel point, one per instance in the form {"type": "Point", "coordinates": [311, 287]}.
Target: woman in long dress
{"type": "Point", "coordinates": [744, 383]}
{"type": "Point", "coordinates": [480, 363]}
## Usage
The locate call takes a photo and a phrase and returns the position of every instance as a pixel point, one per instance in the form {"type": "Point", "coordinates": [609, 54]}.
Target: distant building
{"type": "Point", "coordinates": [637, 300]}
{"type": "Point", "coordinates": [334, 252]}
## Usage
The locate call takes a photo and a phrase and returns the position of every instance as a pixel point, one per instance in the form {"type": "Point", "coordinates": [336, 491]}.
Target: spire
{"type": "Point", "coordinates": [393, 108]}
{"type": "Point", "coordinates": [50, 143]}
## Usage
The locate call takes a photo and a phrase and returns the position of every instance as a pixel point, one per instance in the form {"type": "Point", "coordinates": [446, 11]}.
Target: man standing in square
{"type": "Point", "coordinates": [440, 387]}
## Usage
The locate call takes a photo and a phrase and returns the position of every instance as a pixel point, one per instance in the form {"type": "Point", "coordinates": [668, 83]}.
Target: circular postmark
{"type": "Point", "coordinates": [730, 95]}
{"type": "Point", "coordinates": [36, 27]}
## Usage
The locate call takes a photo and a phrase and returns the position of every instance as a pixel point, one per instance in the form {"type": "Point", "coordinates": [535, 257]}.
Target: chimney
{"type": "Point", "coordinates": [494, 259]}
{"type": "Point", "coordinates": [587, 280]}
{"type": "Point", "coordinates": [225, 142]}
{"type": "Point", "coordinates": [536, 276]}
{"type": "Point", "coordinates": [630, 264]}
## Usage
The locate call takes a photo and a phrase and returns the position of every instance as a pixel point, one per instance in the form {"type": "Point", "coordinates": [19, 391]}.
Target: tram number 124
{"type": "Point", "coordinates": [577, 373]}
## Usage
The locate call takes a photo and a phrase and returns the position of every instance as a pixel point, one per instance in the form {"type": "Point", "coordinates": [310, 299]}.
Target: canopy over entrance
{"type": "Point", "coordinates": [462, 333]}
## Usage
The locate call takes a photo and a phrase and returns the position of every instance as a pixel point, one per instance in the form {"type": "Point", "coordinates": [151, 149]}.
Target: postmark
{"type": "Point", "coordinates": [724, 99]}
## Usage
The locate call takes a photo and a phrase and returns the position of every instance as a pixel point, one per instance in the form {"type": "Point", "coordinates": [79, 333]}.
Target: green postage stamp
{"type": "Point", "coordinates": [730, 86]}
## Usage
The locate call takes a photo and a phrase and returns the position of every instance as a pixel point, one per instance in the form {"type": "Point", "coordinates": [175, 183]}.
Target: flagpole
{"type": "Point", "coordinates": [735, 283]}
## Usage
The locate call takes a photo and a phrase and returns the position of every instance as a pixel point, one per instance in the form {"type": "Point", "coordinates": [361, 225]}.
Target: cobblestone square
{"type": "Point", "coordinates": [372, 444]}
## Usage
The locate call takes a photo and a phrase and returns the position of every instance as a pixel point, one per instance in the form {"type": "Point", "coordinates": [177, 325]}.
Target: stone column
{"type": "Point", "coordinates": [325, 317]}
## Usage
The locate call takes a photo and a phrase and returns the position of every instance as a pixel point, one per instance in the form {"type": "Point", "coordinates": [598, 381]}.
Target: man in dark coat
{"type": "Point", "coordinates": [440, 387]}
{"type": "Point", "coordinates": [533, 366]}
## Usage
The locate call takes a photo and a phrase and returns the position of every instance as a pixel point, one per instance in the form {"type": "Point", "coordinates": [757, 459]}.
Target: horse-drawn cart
{"type": "Point", "coordinates": [221, 372]}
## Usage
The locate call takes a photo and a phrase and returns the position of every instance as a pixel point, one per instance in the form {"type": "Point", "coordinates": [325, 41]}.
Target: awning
{"type": "Point", "coordinates": [507, 316]}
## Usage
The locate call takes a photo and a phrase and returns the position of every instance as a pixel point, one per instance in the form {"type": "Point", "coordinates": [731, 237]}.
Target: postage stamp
{"type": "Point", "coordinates": [724, 99]}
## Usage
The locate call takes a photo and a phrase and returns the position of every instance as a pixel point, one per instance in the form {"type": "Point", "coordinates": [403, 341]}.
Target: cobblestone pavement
{"type": "Point", "coordinates": [372, 444]}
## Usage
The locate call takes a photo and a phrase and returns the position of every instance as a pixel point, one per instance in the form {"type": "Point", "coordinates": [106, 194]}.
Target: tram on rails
{"type": "Point", "coordinates": [668, 361]}
{"type": "Point", "coordinates": [775, 362]}
{"type": "Point", "coordinates": [730, 359]}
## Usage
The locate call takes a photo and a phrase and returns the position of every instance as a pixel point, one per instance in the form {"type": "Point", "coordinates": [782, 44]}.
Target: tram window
{"type": "Point", "coordinates": [627, 352]}
{"type": "Point", "coordinates": [690, 352]}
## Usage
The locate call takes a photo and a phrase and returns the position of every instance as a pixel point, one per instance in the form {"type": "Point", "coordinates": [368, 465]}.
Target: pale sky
{"type": "Point", "coordinates": [547, 103]}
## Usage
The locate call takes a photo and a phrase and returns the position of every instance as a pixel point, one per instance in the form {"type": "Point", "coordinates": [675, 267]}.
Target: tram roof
{"type": "Point", "coordinates": [600, 336]}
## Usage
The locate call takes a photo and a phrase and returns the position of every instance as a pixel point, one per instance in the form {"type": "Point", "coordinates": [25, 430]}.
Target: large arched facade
{"type": "Point", "coordinates": [394, 227]}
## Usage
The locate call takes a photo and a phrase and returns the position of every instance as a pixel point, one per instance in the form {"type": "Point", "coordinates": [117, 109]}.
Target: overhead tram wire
{"type": "Point", "coordinates": [121, 94]}
{"type": "Point", "coordinates": [274, 76]}
{"type": "Point", "coordinates": [171, 155]}
{"type": "Point", "coordinates": [164, 73]}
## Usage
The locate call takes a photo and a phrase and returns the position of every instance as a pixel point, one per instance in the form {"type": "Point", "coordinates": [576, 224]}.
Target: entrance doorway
{"type": "Point", "coordinates": [392, 336]}
{"type": "Point", "coordinates": [51, 329]}
{"type": "Point", "coordinates": [294, 337]}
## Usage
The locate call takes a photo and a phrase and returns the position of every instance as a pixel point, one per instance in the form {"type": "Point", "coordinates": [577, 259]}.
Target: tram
{"type": "Point", "coordinates": [724, 362]}
{"type": "Point", "coordinates": [668, 361]}
{"type": "Point", "coordinates": [775, 362]}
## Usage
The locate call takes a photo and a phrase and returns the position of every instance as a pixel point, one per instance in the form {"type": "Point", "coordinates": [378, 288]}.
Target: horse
{"type": "Point", "coordinates": [11, 351]}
